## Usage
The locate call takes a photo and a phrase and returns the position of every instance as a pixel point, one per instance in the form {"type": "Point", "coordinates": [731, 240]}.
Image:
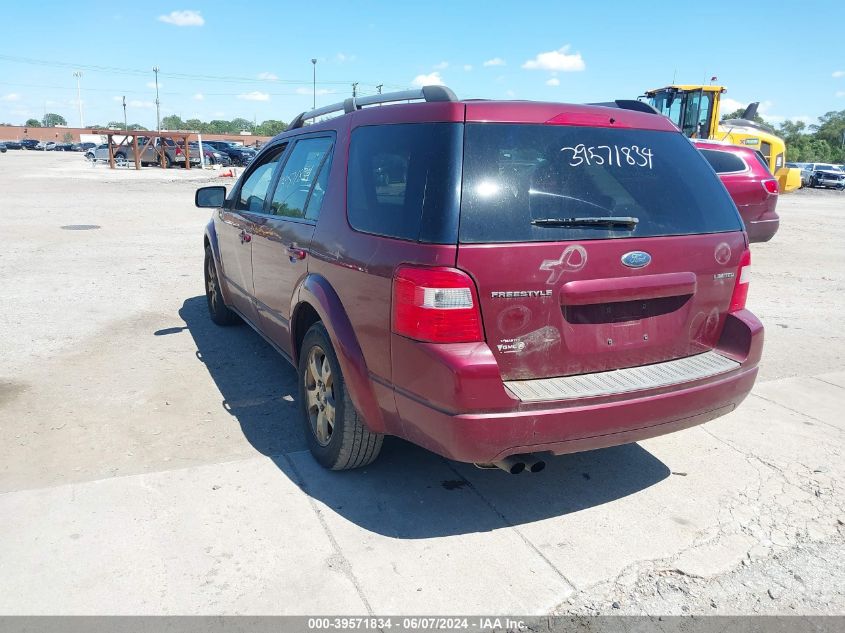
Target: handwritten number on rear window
{"type": "Point", "coordinates": [610, 155]}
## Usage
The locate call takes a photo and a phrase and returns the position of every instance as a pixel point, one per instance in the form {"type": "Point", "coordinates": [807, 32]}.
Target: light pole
{"type": "Point", "coordinates": [354, 89]}
{"type": "Point", "coordinates": [379, 87]}
{"type": "Point", "coordinates": [125, 122]}
{"type": "Point", "coordinates": [314, 64]}
{"type": "Point", "coordinates": [158, 111]}
{"type": "Point", "coordinates": [78, 75]}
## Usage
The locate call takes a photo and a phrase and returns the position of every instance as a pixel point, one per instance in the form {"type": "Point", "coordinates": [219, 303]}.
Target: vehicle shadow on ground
{"type": "Point", "coordinates": [408, 492]}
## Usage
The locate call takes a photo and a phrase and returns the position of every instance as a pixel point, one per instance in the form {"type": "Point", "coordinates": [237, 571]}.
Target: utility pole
{"type": "Point", "coordinates": [354, 89]}
{"type": "Point", "coordinates": [158, 110]}
{"type": "Point", "coordinates": [78, 75]}
{"type": "Point", "coordinates": [314, 64]}
{"type": "Point", "coordinates": [125, 122]}
{"type": "Point", "coordinates": [379, 87]}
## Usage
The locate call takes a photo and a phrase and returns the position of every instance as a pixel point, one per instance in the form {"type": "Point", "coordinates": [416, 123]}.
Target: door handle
{"type": "Point", "coordinates": [245, 237]}
{"type": "Point", "coordinates": [295, 253]}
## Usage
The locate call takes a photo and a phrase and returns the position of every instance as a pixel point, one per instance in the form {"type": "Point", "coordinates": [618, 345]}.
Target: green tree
{"type": "Point", "coordinates": [136, 126]}
{"type": "Point", "coordinates": [194, 125]}
{"type": "Point", "coordinates": [33, 123]}
{"type": "Point", "coordinates": [831, 129]}
{"type": "Point", "coordinates": [737, 114]}
{"type": "Point", "coordinates": [270, 128]}
{"type": "Point", "coordinates": [51, 119]}
{"type": "Point", "coordinates": [172, 122]}
{"type": "Point", "coordinates": [239, 125]}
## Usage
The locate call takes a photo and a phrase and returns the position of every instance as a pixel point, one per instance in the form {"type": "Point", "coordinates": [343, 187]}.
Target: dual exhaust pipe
{"type": "Point", "coordinates": [515, 464]}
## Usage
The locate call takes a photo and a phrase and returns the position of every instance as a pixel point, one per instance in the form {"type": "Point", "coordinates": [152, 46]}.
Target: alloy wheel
{"type": "Point", "coordinates": [319, 395]}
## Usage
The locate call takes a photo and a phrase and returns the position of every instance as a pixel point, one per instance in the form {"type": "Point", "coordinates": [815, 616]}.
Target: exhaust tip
{"type": "Point", "coordinates": [537, 466]}
{"type": "Point", "coordinates": [516, 468]}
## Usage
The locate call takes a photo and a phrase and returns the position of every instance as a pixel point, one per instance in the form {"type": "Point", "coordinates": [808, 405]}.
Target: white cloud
{"type": "Point", "coordinates": [838, 73]}
{"type": "Point", "coordinates": [554, 81]}
{"type": "Point", "coordinates": [728, 105]}
{"type": "Point", "coordinates": [496, 61]}
{"type": "Point", "coordinates": [268, 76]}
{"type": "Point", "coordinates": [182, 18]}
{"type": "Point", "coordinates": [141, 105]}
{"type": "Point", "coordinates": [199, 96]}
{"type": "Point", "coordinates": [310, 91]}
{"type": "Point", "coordinates": [12, 96]}
{"type": "Point", "coordinates": [559, 60]}
{"type": "Point", "coordinates": [343, 57]}
{"type": "Point", "coordinates": [432, 79]}
{"type": "Point", "coordinates": [255, 96]}
{"type": "Point", "coordinates": [840, 93]}
{"type": "Point", "coordinates": [510, 93]}
{"type": "Point", "coordinates": [467, 67]}
{"type": "Point", "coordinates": [441, 66]}
{"type": "Point", "coordinates": [152, 84]}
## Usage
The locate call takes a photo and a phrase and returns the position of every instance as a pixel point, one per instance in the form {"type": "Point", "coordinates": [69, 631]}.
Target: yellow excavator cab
{"type": "Point", "coordinates": [695, 110]}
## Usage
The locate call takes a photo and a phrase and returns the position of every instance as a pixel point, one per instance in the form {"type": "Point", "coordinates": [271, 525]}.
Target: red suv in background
{"type": "Point", "coordinates": [493, 281]}
{"type": "Point", "coordinates": [747, 178]}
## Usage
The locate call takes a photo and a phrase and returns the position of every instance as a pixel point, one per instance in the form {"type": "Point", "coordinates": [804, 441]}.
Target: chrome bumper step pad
{"type": "Point", "coordinates": [625, 380]}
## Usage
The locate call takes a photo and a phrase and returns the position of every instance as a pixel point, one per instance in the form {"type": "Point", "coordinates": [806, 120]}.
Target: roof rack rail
{"type": "Point", "coordinates": [426, 93]}
{"type": "Point", "coordinates": [628, 104]}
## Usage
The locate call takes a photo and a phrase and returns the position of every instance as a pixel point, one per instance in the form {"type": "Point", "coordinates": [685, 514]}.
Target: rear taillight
{"type": "Point", "coordinates": [438, 305]}
{"type": "Point", "coordinates": [771, 186]}
{"type": "Point", "coordinates": [178, 151]}
{"type": "Point", "coordinates": [743, 276]}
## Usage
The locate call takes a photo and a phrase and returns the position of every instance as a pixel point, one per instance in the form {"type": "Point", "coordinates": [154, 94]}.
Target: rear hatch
{"type": "Point", "coordinates": [594, 247]}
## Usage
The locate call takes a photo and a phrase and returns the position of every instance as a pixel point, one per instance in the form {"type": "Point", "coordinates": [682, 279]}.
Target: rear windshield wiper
{"type": "Point", "coordinates": [602, 222]}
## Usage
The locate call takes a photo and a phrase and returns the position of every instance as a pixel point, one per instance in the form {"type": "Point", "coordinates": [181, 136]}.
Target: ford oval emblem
{"type": "Point", "coordinates": [636, 259]}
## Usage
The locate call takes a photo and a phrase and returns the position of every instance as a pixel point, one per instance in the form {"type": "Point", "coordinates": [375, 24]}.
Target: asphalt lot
{"type": "Point", "coordinates": [152, 463]}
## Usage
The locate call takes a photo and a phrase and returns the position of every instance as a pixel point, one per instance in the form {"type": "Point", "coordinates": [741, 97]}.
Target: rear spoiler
{"type": "Point", "coordinates": [628, 104]}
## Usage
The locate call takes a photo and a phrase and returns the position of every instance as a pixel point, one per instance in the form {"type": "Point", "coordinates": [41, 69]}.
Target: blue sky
{"type": "Point", "coordinates": [253, 59]}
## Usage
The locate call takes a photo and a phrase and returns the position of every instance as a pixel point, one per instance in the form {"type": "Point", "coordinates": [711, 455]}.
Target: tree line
{"type": "Point", "coordinates": [820, 142]}
{"type": "Point", "coordinates": [218, 126]}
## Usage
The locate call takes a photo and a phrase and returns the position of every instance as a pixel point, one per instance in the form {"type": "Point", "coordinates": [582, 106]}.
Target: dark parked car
{"type": "Point", "coordinates": [13, 144]}
{"type": "Point", "coordinates": [2, 148]}
{"type": "Point", "coordinates": [543, 278]}
{"type": "Point", "coordinates": [213, 156]}
{"type": "Point", "coordinates": [239, 154]}
{"type": "Point", "coordinates": [63, 147]}
{"type": "Point", "coordinates": [82, 147]}
{"type": "Point", "coordinates": [28, 143]}
{"type": "Point", "coordinates": [754, 190]}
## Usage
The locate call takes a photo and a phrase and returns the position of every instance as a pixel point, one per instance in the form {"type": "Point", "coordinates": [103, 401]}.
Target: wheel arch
{"type": "Point", "coordinates": [210, 239]}
{"type": "Point", "coordinates": [316, 300]}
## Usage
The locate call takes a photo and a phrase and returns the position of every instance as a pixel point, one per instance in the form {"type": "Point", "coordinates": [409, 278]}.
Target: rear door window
{"type": "Point", "coordinates": [723, 162]}
{"type": "Point", "coordinates": [519, 178]}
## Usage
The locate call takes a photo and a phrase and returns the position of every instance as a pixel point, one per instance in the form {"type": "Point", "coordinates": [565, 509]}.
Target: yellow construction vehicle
{"type": "Point", "coordinates": [695, 109]}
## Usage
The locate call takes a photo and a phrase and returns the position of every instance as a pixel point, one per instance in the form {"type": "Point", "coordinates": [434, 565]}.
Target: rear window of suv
{"type": "Point", "coordinates": [514, 174]}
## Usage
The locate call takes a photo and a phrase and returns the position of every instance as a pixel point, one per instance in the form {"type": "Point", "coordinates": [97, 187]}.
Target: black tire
{"type": "Point", "coordinates": [348, 443]}
{"type": "Point", "coordinates": [120, 156]}
{"type": "Point", "coordinates": [217, 310]}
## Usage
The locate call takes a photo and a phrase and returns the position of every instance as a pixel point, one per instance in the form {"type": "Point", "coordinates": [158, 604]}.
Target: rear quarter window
{"type": "Point", "coordinates": [518, 173]}
{"type": "Point", "coordinates": [404, 181]}
{"type": "Point", "coordinates": [723, 162]}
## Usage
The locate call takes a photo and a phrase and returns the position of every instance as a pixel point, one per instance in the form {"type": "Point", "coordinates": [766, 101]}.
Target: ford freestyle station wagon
{"type": "Point", "coordinates": [494, 281]}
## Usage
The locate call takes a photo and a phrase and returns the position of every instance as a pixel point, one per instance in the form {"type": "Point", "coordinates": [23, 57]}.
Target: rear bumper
{"type": "Point", "coordinates": [762, 230]}
{"type": "Point", "coordinates": [566, 427]}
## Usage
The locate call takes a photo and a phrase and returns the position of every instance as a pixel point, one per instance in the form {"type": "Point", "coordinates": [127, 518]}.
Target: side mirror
{"type": "Point", "coordinates": [210, 197]}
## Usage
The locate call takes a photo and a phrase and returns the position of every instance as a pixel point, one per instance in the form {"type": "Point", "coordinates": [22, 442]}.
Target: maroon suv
{"type": "Point", "coordinates": [490, 280]}
{"type": "Point", "coordinates": [749, 182]}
